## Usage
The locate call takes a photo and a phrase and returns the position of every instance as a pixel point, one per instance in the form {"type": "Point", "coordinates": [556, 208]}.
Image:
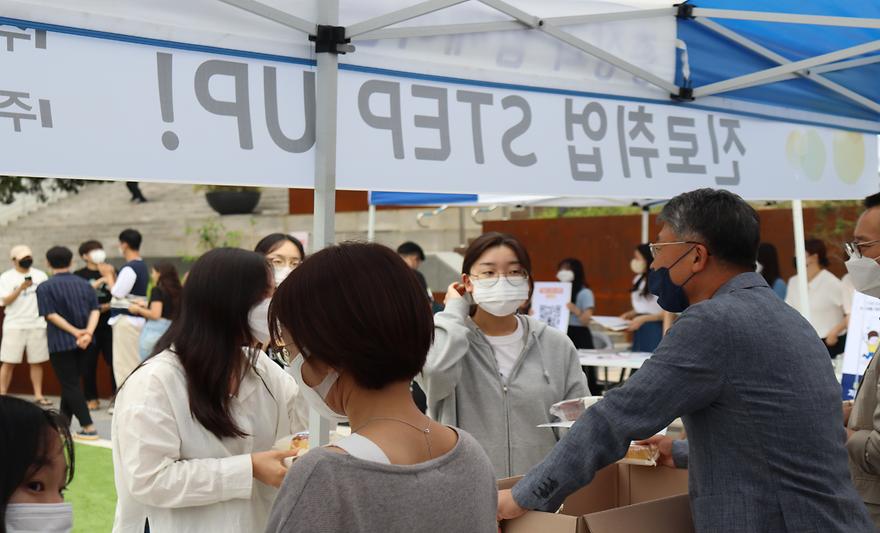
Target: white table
{"type": "Point", "coordinates": [615, 359]}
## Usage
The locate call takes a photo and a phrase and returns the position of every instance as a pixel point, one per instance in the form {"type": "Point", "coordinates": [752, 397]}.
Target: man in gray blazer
{"type": "Point", "coordinates": [747, 375]}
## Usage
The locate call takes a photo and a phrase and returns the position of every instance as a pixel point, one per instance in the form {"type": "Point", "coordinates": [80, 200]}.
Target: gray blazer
{"type": "Point", "coordinates": [757, 394]}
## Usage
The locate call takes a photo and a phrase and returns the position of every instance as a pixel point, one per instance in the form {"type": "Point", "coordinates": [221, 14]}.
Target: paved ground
{"type": "Point", "coordinates": [101, 418]}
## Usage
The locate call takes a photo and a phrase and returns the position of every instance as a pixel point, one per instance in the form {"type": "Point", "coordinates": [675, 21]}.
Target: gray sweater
{"type": "Point", "coordinates": [330, 492]}
{"type": "Point", "coordinates": [465, 390]}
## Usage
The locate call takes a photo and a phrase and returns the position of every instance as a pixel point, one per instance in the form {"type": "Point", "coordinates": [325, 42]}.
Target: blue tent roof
{"type": "Point", "coordinates": [418, 198]}
{"type": "Point", "coordinates": [713, 57]}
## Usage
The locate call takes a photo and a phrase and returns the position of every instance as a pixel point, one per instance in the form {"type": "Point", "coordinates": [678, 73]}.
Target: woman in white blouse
{"type": "Point", "coordinates": [195, 424]}
{"type": "Point", "coordinates": [826, 294]}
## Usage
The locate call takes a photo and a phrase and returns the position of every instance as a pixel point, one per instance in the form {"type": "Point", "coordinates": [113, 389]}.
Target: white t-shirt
{"type": "Point", "coordinates": [23, 312]}
{"type": "Point", "coordinates": [826, 301]}
{"type": "Point", "coordinates": [849, 292]}
{"type": "Point", "coordinates": [641, 304]}
{"type": "Point", "coordinates": [507, 349]}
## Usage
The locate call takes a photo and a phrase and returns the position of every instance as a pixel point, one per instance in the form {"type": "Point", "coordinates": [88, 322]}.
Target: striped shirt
{"type": "Point", "coordinates": [73, 299]}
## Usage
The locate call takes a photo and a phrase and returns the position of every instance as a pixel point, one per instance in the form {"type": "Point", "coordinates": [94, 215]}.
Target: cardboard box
{"type": "Point", "coordinates": [621, 498]}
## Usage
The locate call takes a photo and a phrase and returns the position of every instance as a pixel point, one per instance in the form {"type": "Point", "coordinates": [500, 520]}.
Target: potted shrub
{"type": "Point", "coordinates": [231, 200]}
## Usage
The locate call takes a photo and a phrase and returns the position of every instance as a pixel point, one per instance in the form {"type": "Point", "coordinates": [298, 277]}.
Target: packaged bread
{"type": "Point", "coordinates": [642, 454]}
{"type": "Point", "coordinates": [571, 410]}
{"type": "Point", "coordinates": [300, 443]}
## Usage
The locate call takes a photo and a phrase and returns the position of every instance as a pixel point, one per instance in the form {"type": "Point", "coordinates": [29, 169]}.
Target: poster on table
{"type": "Point", "coordinates": [862, 341]}
{"type": "Point", "coordinates": [550, 303]}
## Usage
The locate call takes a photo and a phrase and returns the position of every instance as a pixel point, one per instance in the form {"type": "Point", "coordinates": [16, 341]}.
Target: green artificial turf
{"type": "Point", "coordinates": [92, 492]}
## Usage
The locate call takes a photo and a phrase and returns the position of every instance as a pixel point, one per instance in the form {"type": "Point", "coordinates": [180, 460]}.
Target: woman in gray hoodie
{"type": "Point", "coordinates": [492, 372]}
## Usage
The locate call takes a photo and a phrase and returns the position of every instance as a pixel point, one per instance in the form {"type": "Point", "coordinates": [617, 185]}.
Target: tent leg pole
{"type": "Point", "coordinates": [800, 253]}
{"type": "Point", "coordinates": [371, 224]}
{"type": "Point", "coordinates": [646, 224]}
{"type": "Point", "coordinates": [462, 234]}
{"type": "Point", "coordinates": [324, 229]}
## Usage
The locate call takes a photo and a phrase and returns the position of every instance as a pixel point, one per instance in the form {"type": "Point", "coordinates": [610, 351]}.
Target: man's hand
{"type": "Point", "coordinates": [664, 444]}
{"type": "Point", "coordinates": [27, 284]}
{"type": "Point", "coordinates": [508, 509]}
{"type": "Point", "coordinates": [83, 341]}
{"type": "Point", "coordinates": [269, 466]}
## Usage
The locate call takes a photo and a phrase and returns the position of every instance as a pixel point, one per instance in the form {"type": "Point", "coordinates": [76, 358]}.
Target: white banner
{"type": "Point", "coordinates": [862, 341]}
{"type": "Point", "coordinates": [550, 301]}
{"type": "Point", "coordinates": [74, 106]}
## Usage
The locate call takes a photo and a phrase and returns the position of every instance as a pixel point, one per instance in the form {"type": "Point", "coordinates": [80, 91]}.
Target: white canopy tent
{"type": "Point", "coordinates": [556, 97]}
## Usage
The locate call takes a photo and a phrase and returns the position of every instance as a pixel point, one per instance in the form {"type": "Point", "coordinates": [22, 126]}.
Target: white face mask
{"type": "Point", "coordinates": [865, 274]}
{"type": "Point", "coordinates": [281, 274]}
{"type": "Point", "coordinates": [39, 518]}
{"type": "Point", "coordinates": [97, 256]}
{"type": "Point", "coordinates": [258, 320]}
{"type": "Point", "coordinates": [502, 299]}
{"type": "Point", "coordinates": [565, 276]}
{"type": "Point", "coordinates": [638, 266]}
{"type": "Point", "coordinates": [317, 397]}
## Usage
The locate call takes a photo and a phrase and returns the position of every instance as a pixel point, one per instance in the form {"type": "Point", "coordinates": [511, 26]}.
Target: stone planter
{"type": "Point", "coordinates": [233, 202]}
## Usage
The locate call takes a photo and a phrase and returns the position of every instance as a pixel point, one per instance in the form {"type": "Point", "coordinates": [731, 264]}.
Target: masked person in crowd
{"type": "Point", "coordinates": [581, 307]}
{"type": "Point", "coordinates": [131, 285]}
{"type": "Point", "coordinates": [162, 307]}
{"type": "Point", "coordinates": [747, 375]}
{"type": "Point", "coordinates": [399, 470]}
{"type": "Point", "coordinates": [195, 424]}
{"type": "Point", "coordinates": [101, 276]}
{"type": "Point", "coordinates": [828, 314]}
{"type": "Point", "coordinates": [284, 252]}
{"type": "Point", "coordinates": [24, 330]}
{"type": "Point", "coordinates": [36, 469]}
{"type": "Point", "coordinates": [863, 422]}
{"type": "Point", "coordinates": [646, 316]}
{"type": "Point", "coordinates": [492, 372]}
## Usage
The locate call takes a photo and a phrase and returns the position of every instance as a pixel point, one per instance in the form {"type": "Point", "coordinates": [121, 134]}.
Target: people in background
{"type": "Point", "coordinates": [162, 307]}
{"type": "Point", "coordinates": [863, 421]}
{"type": "Point", "coordinates": [747, 375]}
{"type": "Point", "coordinates": [399, 470]}
{"type": "Point", "coordinates": [413, 255]}
{"type": "Point", "coordinates": [101, 276]}
{"type": "Point", "coordinates": [135, 189]}
{"type": "Point", "coordinates": [580, 307]}
{"type": "Point", "coordinates": [768, 266]}
{"type": "Point", "coordinates": [195, 424]}
{"type": "Point", "coordinates": [24, 330]}
{"type": "Point", "coordinates": [37, 467]}
{"type": "Point", "coordinates": [827, 312]}
{"type": "Point", "coordinates": [131, 285]}
{"type": "Point", "coordinates": [646, 316]}
{"type": "Point", "coordinates": [284, 252]}
{"type": "Point", "coordinates": [69, 305]}
{"type": "Point", "coordinates": [492, 372]}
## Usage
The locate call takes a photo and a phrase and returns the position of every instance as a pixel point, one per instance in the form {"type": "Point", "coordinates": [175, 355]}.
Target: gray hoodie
{"type": "Point", "coordinates": [465, 390]}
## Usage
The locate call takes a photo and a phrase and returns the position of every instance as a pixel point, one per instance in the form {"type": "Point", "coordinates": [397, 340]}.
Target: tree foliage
{"type": "Point", "coordinates": [12, 186]}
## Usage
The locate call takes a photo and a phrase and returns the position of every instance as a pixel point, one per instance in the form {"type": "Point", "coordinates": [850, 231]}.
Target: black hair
{"type": "Point", "coordinates": [580, 279]}
{"type": "Point", "coordinates": [410, 248]}
{"type": "Point", "coordinates": [169, 284]}
{"type": "Point", "coordinates": [769, 259]}
{"type": "Point", "coordinates": [26, 433]}
{"type": "Point", "coordinates": [210, 329]}
{"type": "Point", "coordinates": [132, 238]}
{"type": "Point", "coordinates": [872, 201]}
{"type": "Point", "coordinates": [271, 242]}
{"type": "Point", "coordinates": [389, 340]}
{"type": "Point", "coordinates": [817, 247]}
{"type": "Point", "coordinates": [89, 246]}
{"type": "Point", "coordinates": [644, 250]}
{"type": "Point", "coordinates": [59, 257]}
{"type": "Point", "coordinates": [725, 223]}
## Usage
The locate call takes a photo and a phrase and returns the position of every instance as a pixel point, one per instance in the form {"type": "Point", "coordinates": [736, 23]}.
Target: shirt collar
{"type": "Point", "coordinates": [746, 280]}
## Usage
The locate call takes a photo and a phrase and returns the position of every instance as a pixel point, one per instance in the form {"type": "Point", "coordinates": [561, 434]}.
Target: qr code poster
{"type": "Point", "coordinates": [550, 303]}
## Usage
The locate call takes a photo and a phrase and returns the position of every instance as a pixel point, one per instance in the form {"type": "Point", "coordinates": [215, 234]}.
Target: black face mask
{"type": "Point", "coordinates": [26, 262]}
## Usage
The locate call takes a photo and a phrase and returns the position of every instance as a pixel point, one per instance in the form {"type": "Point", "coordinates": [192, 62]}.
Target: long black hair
{"type": "Point", "coordinates": [169, 284]}
{"type": "Point", "coordinates": [768, 257]}
{"type": "Point", "coordinates": [211, 329]}
{"type": "Point", "coordinates": [645, 251]}
{"type": "Point", "coordinates": [26, 433]}
{"type": "Point", "coordinates": [580, 279]}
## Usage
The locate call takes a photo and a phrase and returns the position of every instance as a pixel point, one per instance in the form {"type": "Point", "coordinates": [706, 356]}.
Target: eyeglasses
{"type": "Point", "coordinates": [489, 278]}
{"type": "Point", "coordinates": [657, 246]}
{"type": "Point", "coordinates": [854, 248]}
{"type": "Point", "coordinates": [281, 262]}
